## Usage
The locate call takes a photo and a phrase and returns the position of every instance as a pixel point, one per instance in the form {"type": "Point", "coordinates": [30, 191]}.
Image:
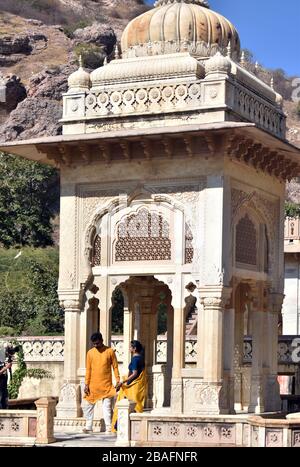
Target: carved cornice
{"type": "Point", "coordinates": [200, 144]}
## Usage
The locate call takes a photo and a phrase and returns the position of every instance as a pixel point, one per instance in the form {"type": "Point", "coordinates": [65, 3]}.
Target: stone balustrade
{"type": "Point", "coordinates": [41, 348]}
{"type": "Point", "coordinates": [291, 239]}
{"type": "Point", "coordinates": [259, 111]}
{"type": "Point", "coordinates": [182, 96]}
{"type": "Point", "coordinates": [288, 350]}
{"type": "Point", "coordinates": [51, 349]}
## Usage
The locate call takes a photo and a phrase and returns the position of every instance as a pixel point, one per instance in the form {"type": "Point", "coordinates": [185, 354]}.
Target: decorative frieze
{"type": "Point", "coordinates": [148, 99]}
{"type": "Point", "coordinates": [274, 438]}
{"type": "Point", "coordinates": [192, 432]}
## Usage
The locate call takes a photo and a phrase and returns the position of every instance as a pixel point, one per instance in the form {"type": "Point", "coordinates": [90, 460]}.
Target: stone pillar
{"type": "Point", "coordinates": [257, 389]}
{"type": "Point", "coordinates": [128, 335]}
{"type": "Point", "coordinates": [200, 336]}
{"type": "Point", "coordinates": [238, 351]}
{"type": "Point", "coordinates": [273, 400]}
{"type": "Point", "coordinates": [208, 397]}
{"type": "Point", "coordinates": [45, 420]}
{"type": "Point", "coordinates": [105, 308]}
{"type": "Point", "coordinates": [178, 347]}
{"type": "Point", "coordinates": [148, 330]}
{"type": "Point", "coordinates": [69, 399]}
{"type": "Point", "coordinates": [125, 408]}
{"type": "Point", "coordinates": [228, 349]}
{"type": "Point", "coordinates": [170, 353]}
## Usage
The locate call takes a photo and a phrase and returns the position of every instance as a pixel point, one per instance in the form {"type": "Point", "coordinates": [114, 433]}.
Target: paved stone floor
{"type": "Point", "coordinates": [82, 440]}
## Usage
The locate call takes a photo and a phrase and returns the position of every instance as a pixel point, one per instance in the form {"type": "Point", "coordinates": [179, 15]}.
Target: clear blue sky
{"type": "Point", "coordinates": [269, 28]}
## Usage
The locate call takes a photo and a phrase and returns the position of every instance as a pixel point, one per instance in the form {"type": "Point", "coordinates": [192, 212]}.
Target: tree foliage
{"type": "Point", "coordinates": [21, 372]}
{"type": "Point", "coordinates": [292, 210]}
{"type": "Point", "coordinates": [28, 292]}
{"type": "Point", "coordinates": [29, 197]}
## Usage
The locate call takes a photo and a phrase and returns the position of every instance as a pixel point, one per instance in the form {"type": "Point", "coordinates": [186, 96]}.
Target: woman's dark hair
{"type": "Point", "coordinates": [138, 347]}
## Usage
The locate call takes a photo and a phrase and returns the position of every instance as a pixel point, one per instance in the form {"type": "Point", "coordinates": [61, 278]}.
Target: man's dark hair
{"type": "Point", "coordinates": [97, 336]}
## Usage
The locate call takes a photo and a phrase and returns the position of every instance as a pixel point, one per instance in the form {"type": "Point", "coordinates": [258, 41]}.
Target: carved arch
{"type": "Point", "coordinates": [119, 203]}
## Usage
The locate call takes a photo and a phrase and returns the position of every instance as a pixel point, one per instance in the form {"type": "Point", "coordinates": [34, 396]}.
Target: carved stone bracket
{"type": "Point", "coordinates": [261, 157]}
{"type": "Point", "coordinates": [204, 144]}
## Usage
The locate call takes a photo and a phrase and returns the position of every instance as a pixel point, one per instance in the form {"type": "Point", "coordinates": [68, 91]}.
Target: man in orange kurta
{"type": "Point", "coordinates": [98, 381]}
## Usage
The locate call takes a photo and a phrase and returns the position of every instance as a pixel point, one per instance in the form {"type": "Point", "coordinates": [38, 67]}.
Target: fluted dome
{"type": "Point", "coordinates": [179, 26]}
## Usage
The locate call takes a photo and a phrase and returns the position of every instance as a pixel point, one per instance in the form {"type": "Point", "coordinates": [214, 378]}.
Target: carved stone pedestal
{"type": "Point", "coordinates": [69, 401]}
{"type": "Point", "coordinates": [45, 420]}
{"type": "Point", "coordinates": [125, 408]}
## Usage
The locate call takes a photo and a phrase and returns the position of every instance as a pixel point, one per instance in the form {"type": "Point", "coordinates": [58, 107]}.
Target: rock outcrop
{"type": "Point", "coordinates": [12, 92]}
{"type": "Point", "coordinates": [97, 34]}
{"type": "Point", "coordinates": [39, 114]}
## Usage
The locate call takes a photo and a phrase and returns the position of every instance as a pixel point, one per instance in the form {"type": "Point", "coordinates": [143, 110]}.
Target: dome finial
{"type": "Point", "coordinates": [80, 79]}
{"type": "Point", "coordinates": [117, 54]}
{"type": "Point", "coordinates": [243, 59]}
{"type": "Point", "coordinates": [196, 2]}
{"type": "Point", "coordinates": [229, 50]}
{"type": "Point", "coordinates": [272, 83]}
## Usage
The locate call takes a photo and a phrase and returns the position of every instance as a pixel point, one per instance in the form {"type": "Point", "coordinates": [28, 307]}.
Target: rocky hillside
{"type": "Point", "coordinates": [40, 41]}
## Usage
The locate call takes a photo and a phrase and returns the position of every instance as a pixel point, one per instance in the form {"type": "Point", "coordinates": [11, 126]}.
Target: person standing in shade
{"type": "Point", "coordinates": [135, 385]}
{"type": "Point", "coordinates": [3, 385]}
{"type": "Point", "coordinates": [100, 362]}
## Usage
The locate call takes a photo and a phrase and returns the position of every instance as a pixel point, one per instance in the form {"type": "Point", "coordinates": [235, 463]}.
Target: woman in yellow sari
{"type": "Point", "coordinates": [135, 386]}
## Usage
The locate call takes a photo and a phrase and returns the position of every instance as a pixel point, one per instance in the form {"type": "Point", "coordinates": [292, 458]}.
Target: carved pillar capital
{"type": "Point", "coordinates": [215, 297]}
{"type": "Point", "coordinates": [70, 305]}
{"type": "Point", "coordinates": [71, 301]}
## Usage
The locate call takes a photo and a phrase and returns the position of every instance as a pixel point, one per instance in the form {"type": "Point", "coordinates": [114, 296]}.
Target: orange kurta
{"type": "Point", "coordinates": [99, 365]}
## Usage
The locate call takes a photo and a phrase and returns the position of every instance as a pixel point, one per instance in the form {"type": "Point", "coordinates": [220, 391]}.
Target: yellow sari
{"type": "Point", "coordinates": [135, 391]}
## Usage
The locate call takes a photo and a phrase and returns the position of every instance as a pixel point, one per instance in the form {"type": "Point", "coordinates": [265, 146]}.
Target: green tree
{"type": "Point", "coordinates": [292, 210]}
{"type": "Point", "coordinates": [29, 198]}
{"type": "Point", "coordinates": [28, 296]}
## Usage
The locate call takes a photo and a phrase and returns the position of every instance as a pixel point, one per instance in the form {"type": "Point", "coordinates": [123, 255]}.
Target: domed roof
{"type": "Point", "coordinates": [179, 26]}
{"type": "Point", "coordinates": [80, 79]}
